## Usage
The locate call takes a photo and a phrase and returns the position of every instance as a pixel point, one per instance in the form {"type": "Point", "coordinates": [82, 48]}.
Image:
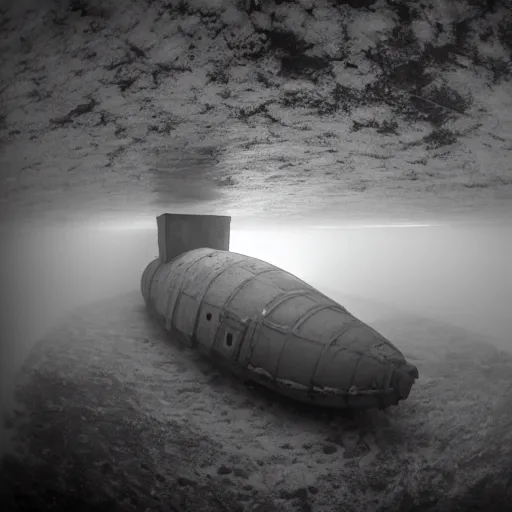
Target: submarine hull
{"type": "Point", "coordinates": [269, 327]}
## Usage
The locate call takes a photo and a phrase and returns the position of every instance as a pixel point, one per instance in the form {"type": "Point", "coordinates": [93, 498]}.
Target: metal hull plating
{"type": "Point", "coordinates": [270, 327]}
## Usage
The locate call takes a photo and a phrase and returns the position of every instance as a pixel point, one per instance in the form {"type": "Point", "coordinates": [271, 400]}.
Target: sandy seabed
{"type": "Point", "coordinates": [111, 415]}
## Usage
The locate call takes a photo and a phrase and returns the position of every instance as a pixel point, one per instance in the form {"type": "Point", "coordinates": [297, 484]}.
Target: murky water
{"type": "Point", "coordinates": [456, 274]}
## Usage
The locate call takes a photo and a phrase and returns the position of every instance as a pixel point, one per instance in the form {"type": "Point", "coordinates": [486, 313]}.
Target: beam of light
{"type": "Point", "coordinates": [278, 247]}
{"type": "Point", "coordinates": [297, 249]}
{"type": "Point", "coordinates": [149, 223]}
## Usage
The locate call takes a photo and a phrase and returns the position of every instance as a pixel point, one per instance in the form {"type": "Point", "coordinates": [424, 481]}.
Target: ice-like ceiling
{"type": "Point", "coordinates": [297, 111]}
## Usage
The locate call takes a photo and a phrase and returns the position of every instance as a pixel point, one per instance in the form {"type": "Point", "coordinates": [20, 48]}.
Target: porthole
{"type": "Point", "coordinates": [208, 316]}
{"type": "Point", "coordinates": [229, 339]}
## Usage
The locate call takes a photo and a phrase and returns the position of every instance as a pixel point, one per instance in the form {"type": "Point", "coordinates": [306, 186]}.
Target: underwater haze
{"type": "Point", "coordinates": [458, 274]}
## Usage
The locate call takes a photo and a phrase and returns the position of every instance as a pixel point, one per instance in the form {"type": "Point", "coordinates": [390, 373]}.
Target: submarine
{"type": "Point", "coordinates": [265, 325]}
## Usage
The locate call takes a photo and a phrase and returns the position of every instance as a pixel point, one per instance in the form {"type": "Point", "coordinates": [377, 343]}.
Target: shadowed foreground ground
{"type": "Point", "coordinates": [112, 416]}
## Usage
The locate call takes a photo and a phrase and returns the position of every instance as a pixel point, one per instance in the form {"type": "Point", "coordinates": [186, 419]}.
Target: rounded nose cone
{"type": "Point", "coordinates": [403, 379]}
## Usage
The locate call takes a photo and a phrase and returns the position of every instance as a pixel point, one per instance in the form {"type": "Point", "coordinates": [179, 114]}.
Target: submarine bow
{"type": "Point", "coordinates": [270, 327]}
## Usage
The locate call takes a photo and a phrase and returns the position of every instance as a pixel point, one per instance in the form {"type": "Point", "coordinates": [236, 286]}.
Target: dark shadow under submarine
{"type": "Point", "coordinates": [264, 324]}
